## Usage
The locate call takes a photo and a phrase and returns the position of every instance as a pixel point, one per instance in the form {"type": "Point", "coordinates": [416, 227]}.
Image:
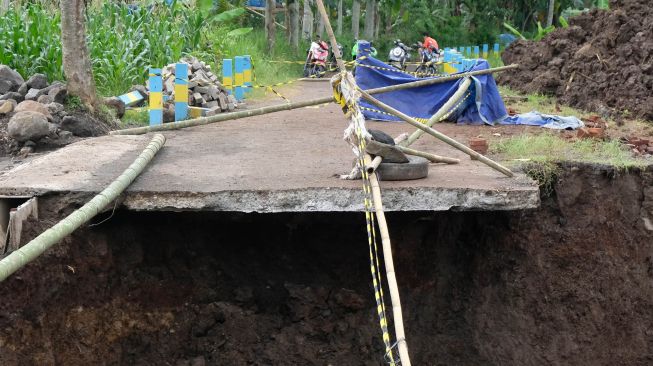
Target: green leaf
{"type": "Point", "coordinates": [563, 22]}
{"type": "Point", "coordinates": [228, 15]}
{"type": "Point", "coordinates": [239, 32]}
{"type": "Point", "coordinates": [514, 31]}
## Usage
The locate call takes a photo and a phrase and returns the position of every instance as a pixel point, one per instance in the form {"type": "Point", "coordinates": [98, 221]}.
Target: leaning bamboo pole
{"type": "Point", "coordinates": [431, 157]}
{"type": "Point", "coordinates": [295, 105]}
{"type": "Point", "coordinates": [395, 300]}
{"type": "Point", "coordinates": [446, 139]}
{"type": "Point", "coordinates": [446, 107]}
{"type": "Point", "coordinates": [53, 235]}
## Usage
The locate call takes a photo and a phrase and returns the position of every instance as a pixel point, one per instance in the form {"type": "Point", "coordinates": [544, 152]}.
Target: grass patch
{"type": "Point", "coordinates": [136, 118]}
{"type": "Point", "coordinates": [537, 102]}
{"type": "Point", "coordinates": [539, 155]}
{"type": "Point", "coordinates": [547, 147]}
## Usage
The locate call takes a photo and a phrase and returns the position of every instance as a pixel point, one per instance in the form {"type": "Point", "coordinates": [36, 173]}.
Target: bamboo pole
{"type": "Point", "coordinates": [383, 226]}
{"type": "Point", "coordinates": [290, 106]}
{"type": "Point", "coordinates": [223, 117]}
{"type": "Point", "coordinates": [439, 80]}
{"type": "Point", "coordinates": [53, 235]}
{"type": "Point", "coordinates": [398, 318]}
{"type": "Point", "coordinates": [431, 157]}
{"type": "Point", "coordinates": [455, 98]}
{"type": "Point", "coordinates": [448, 140]}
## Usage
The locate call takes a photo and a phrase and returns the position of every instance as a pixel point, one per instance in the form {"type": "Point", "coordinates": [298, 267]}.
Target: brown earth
{"type": "Point", "coordinates": [603, 62]}
{"type": "Point", "coordinates": [569, 283]}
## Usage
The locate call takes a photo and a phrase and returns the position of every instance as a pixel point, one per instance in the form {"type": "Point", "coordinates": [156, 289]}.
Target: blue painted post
{"type": "Point", "coordinates": [468, 51]}
{"type": "Point", "coordinates": [496, 48]}
{"type": "Point", "coordinates": [156, 97]}
{"type": "Point", "coordinates": [247, 73]}
{"type": "Point", "coordinates": [227, 74]}
{"type": "Point", "coordinates": [240, 67]}
{"type": "Point", "coordinates": [477, 51]}
{"type": "Point", "coordinates": [486, 50]}
{"type": "Point", "coordinates": [181, 91]}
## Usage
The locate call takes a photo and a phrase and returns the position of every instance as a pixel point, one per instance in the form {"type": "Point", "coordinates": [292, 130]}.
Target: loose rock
{"type": "Point", "coordinates": [13, 95]}
{"type": "Point", "coordinates": [7, 106]}
{"type": "Point", "coordinates": [37, 81]}
{"type": "Point", "coordinates": [45, 99]}
{"type": "Point", "coordinates": [32, 94]}
{"type": "Point", "coordinates": [28, 125]}
{"type": "Point", "coordinates": [32, 106]}
{"type": "Point", "coordinates": [58, 93]}
{"type": "Point", "coordinates": [6, 73]}
{"type": "Point", "coordinates": [23, 89]}
{"type": "Point", "coordinates": [5, 86]}
{"type": "Point", "coordinates": [117, 105]}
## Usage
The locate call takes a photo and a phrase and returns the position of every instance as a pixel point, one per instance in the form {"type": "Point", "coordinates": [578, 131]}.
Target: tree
{"type": "Point", "coordinates": [549, 17]}
{"type": "Point", "coordinates": [76, 59]}
{"type": "Point", "coordinates": [294, 23]}
{"type": "Point", "coordinates": [369, 19]}
{"type": "Point", "coordinates": [339, 27]}
{"type": "Point", "coordinates": [355, 18]}
{"type": "Point", "coordinates": [270, 26]}
{"type": "Point", "coordinates": [307, 28]}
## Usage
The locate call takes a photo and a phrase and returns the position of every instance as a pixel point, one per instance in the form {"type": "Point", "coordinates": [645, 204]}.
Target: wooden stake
{"type": "Point", "coordinates": [431, 157]}
{"type": "Point", "coordinates": [383, 226]}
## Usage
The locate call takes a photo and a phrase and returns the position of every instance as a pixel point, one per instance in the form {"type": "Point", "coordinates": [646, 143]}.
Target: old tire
{"type": "Point", "coordinates": [416, 168]}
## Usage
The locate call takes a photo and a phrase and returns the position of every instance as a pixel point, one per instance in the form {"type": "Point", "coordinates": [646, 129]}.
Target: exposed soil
{"type": "Point", "coordinates": [569, 283]}
{"type": "Point", "coordinates": [603, 62]}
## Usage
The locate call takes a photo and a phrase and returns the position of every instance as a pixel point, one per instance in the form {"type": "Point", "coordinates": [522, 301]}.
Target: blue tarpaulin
{"type": "Point", "coordinates": [483, 103]}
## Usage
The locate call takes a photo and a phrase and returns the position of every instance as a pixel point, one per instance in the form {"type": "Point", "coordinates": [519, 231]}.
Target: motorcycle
{"type": "Point", "coordinates": [316, 59]}
{"type": "Point", "coordinates": [399, 55]}
{"type": "Point", "coordinates": [333, 65]}
{"type": "Point", "coordinates": [429, 61]}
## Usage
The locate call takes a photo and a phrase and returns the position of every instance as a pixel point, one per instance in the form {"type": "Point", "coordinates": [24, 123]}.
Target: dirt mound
{"type": "Point", "coordinates": [602, 62]}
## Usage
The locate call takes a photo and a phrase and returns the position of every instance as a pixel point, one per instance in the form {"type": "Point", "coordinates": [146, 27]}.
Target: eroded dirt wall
{"type": "Point", "coordinates": [570, 283]}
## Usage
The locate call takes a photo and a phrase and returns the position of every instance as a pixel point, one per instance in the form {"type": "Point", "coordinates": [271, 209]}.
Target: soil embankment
{"type": "Point", "coordinates": [569, 283]}
{"type": "Point", "coordinates": [603, 62]}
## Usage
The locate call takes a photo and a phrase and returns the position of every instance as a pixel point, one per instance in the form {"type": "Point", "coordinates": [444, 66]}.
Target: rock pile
{"type": "Point", "coordinates": [204, 89]}
{"type": "Point", "coordinates": [34, 109]}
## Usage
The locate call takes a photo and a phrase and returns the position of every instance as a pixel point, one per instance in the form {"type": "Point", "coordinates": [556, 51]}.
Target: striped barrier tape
{"type": "Point", "coordinates": [417, 74]}
{"type": "Point", "coordinates": [370, 225]}
{"type": "Point", "coordinates": [424, 120]}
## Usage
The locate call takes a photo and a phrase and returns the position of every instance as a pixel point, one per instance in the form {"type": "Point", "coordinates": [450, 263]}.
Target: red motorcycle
{"type": "Point", "coordinates": [316, 59]}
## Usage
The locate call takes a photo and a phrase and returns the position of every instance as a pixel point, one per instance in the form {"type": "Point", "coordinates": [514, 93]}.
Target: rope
{"type": "Point", "coordinates": [424, 120]}
{"type": "Point", "coordinates": [356, 134]}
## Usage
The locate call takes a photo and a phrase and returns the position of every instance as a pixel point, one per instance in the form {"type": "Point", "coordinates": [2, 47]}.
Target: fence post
{"type": "Point", "coordinates": [469, 51]}
{"type": "Point", "coordinates": [496, 48]}
{"type": "Point", "coordinates": [477, 52]}
{"type": "Point", "coordinates": [181, 91]}
{"type": "Point", "coordinates": [239, 66]}
{"type": "Point", "coordinates": [247, 73]}
{"type": "Point", "coordinates": [486, 50]}
{"type": "Point", "coordinates": [227, 74]}
{"type": "Point", "coordinates": [156, 97]}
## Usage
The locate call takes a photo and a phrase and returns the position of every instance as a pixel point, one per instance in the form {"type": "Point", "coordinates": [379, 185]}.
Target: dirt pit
{"type": "Point", "coordinates": [570, 283]}
{"type": "Point", "coordinates": [603, 62]}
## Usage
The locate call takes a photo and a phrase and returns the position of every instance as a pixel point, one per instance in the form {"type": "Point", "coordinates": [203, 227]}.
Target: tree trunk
{"type": "Point", "coordinates": [320, 26]}
{"type": "Point", "coordinates": [270, 27]}
{"type": "Point", "coordinates": [339, 26]}
{"type": "Point", "coordinates": [286, 14]}
{"type": "Point", "coordinates": [377, 20]}
{"type": "Point", "coordinates": [549, 18]}
{"type": "Point", "coordinates": [76, 59]}
{"type": "Point", "coordinates": [307, 28]}
{"type": "Point", "coordinates": [388, 21]}
{"type": "Point", "coordinates": [355, 18]}
{"type": "Point", "coordinates": [294, 23]}
{"type": "Point", "coordinates": [369, 20]}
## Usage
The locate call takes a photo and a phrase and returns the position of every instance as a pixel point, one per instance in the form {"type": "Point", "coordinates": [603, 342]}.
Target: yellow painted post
{"type": "Point", "coordinates": [227, 74]}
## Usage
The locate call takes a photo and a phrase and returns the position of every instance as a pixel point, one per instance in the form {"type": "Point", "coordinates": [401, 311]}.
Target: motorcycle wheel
{"type": "Point", "coordinates": [320, 71]}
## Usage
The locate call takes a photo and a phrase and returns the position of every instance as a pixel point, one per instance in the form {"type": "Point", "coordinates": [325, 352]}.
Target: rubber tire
{"type": "Point", "coordinates": [416, 168]}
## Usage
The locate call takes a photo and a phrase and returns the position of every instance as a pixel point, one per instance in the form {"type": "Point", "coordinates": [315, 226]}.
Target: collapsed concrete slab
{"type": "Point", "coordinates": [272, 164]}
